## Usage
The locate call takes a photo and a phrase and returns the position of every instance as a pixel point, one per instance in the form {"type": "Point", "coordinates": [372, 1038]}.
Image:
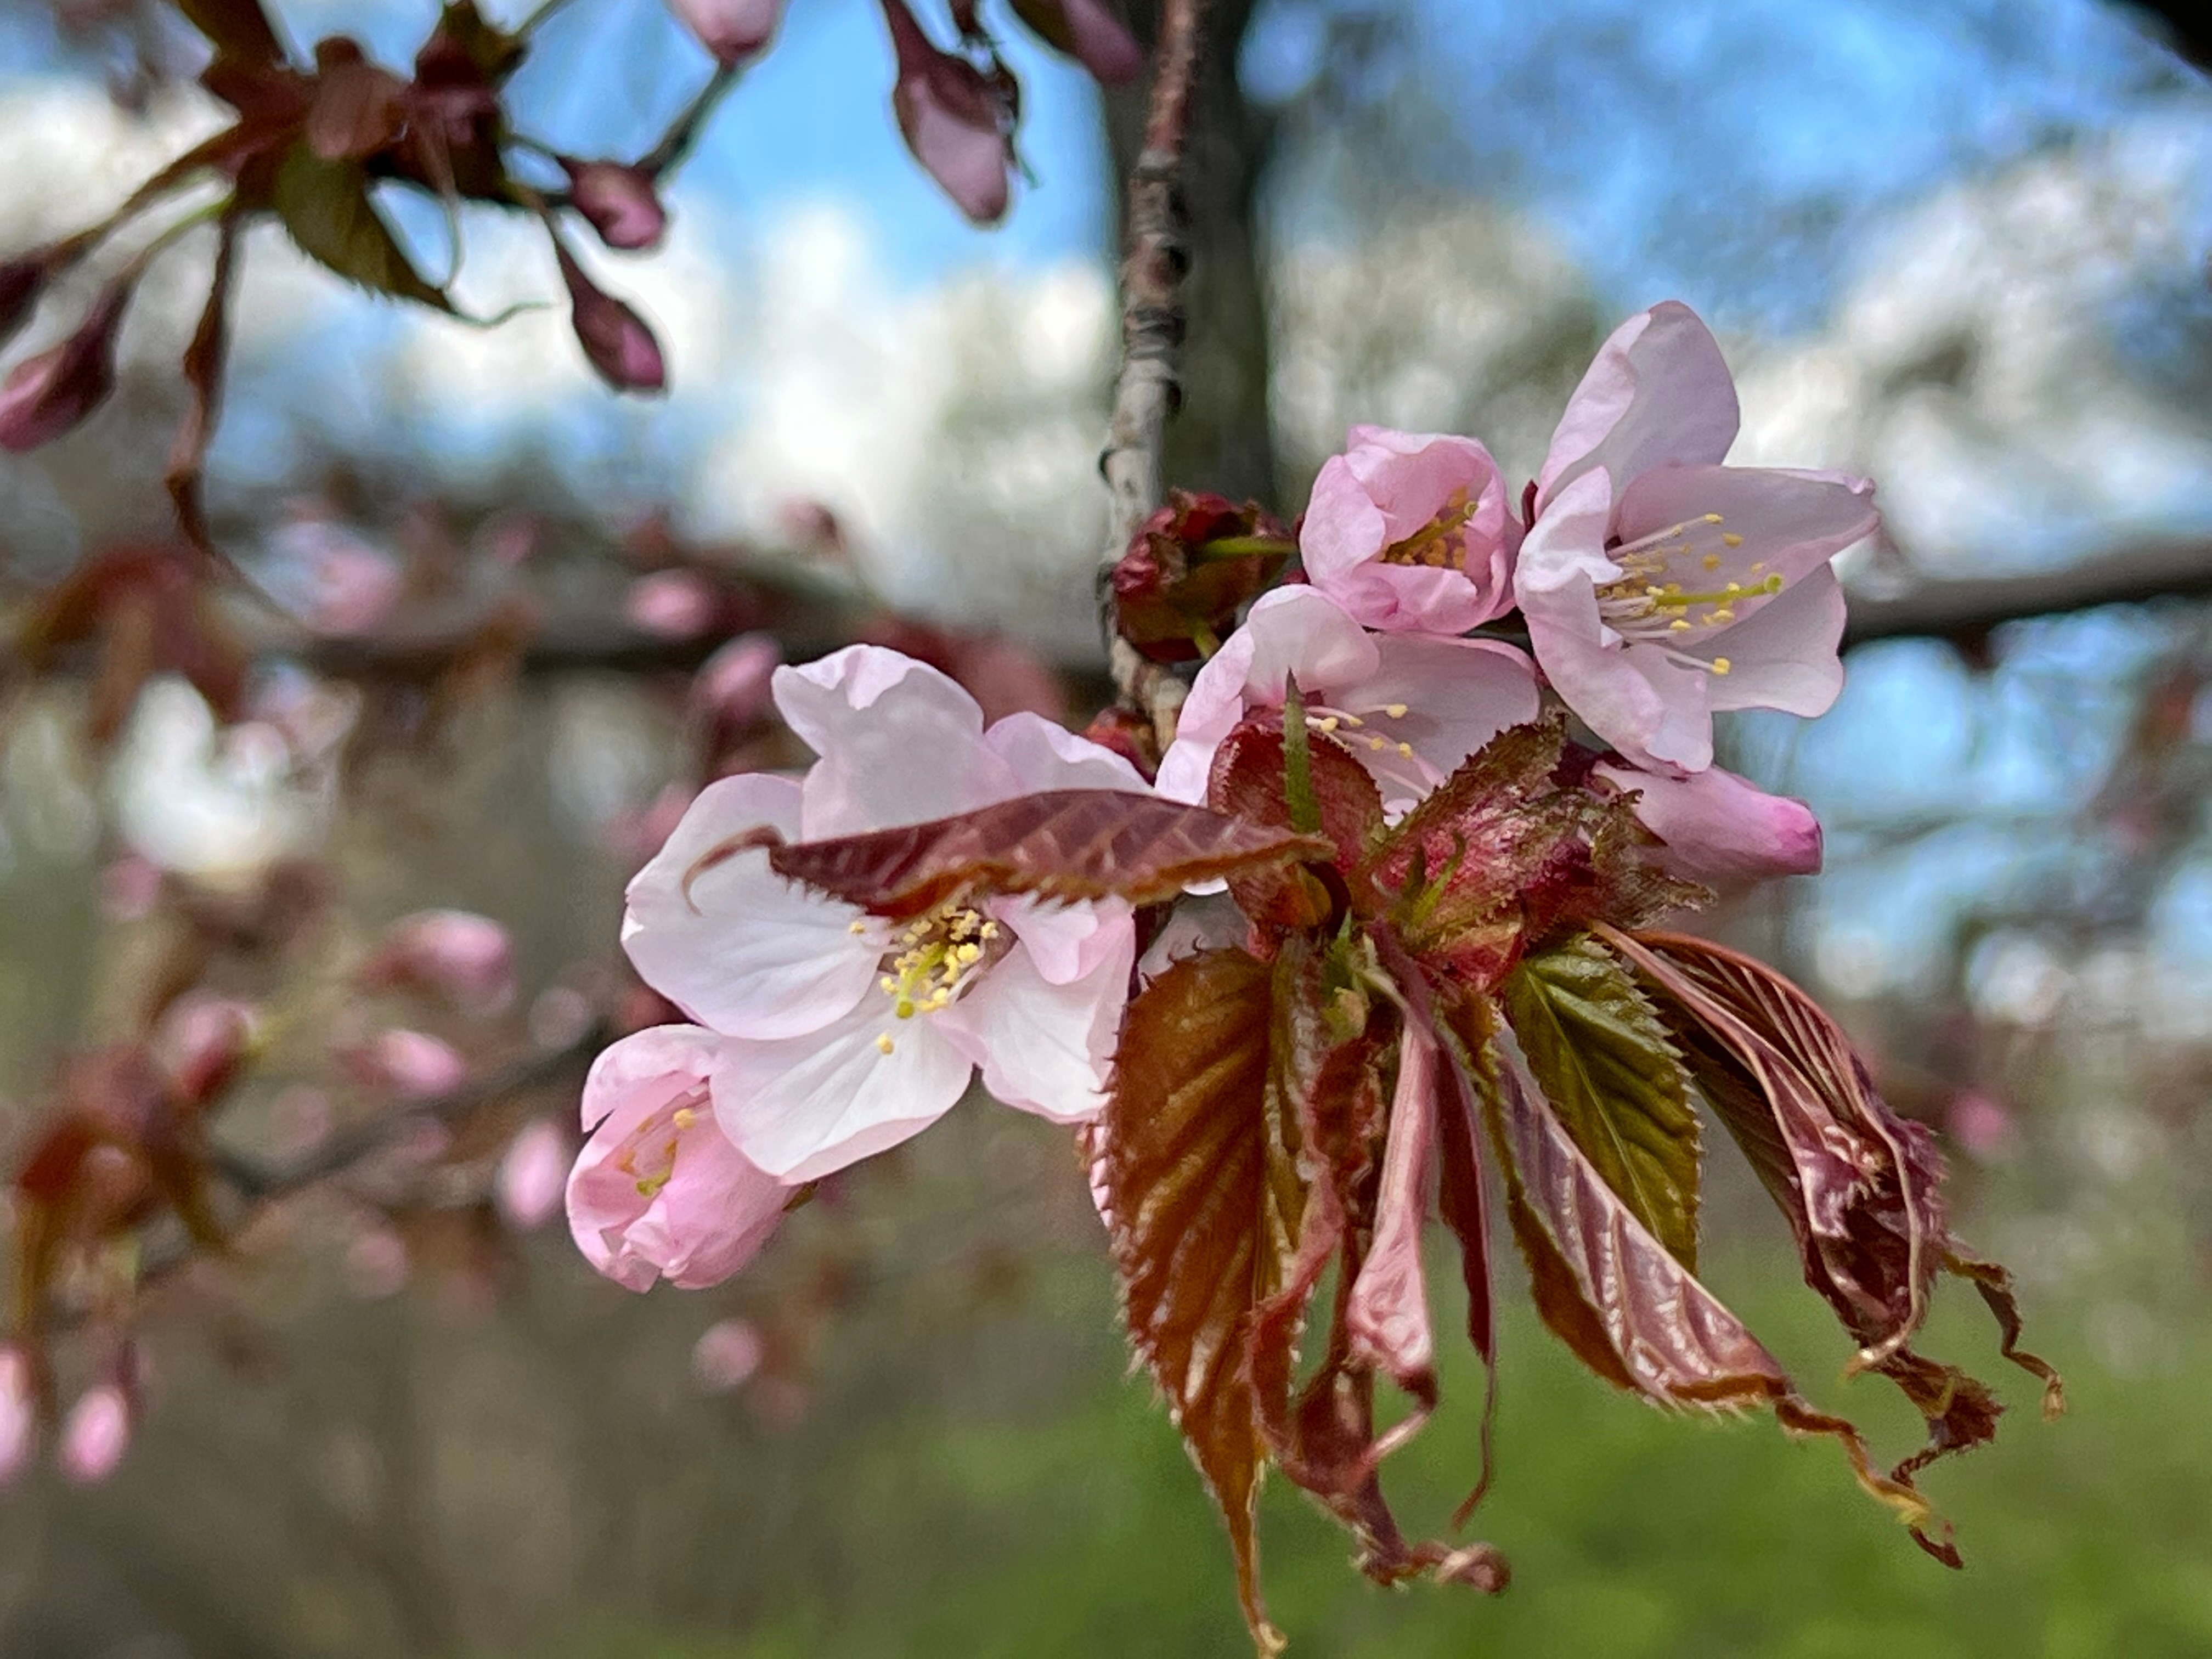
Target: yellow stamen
{"type": "Point", "coordinates": [1731, 538]}
{"type": "Point", "coordinates": [1396, 711]}
{"type": "Point", "coordinates": [883, 1044]}
{"type": "Point", "coordinates": [1721, 664]}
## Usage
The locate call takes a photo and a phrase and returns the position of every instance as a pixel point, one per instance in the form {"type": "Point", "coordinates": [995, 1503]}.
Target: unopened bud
{"type": "Point", "coordinates": [96, 1434]}
{"type": "Point", "coordinates": [674, 604]}
{"type": "Point", "coordinates": [533, 1175]}
{"type": "Point", "coordinates": [464, 956]}
{"type": "Point", "coordinates": [615, 339]}
{"type": "Point", "coordinates": [618, 201]}
{"type": "Point", "coordinates": [1089, 30]}
{"type": "Point", "coordinates": [19, 1413]}
{"type": "Point", "coordinates": [733, 687]}
{"type": "Point", "coordinates": [200, 1044]}
{"type": "Point", "coordinates": [51, 393]}
{"type": "Point", "coordinates": [734, 30]}
{"type": "Point", "coordinates": [413, 1065]}
{"type": "Point", "coordinates": [954, 119]}
{"type": "Point", "coordinates": [1188, 569]}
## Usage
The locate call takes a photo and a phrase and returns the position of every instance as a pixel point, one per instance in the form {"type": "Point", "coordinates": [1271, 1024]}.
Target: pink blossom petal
{"type": "Point", "coordinates": [466, 957]}
{"type": "Point", "coordinates": [726, 1354]}
{"type": "Point", "coordinates": [953, 118]}
{"type": "Point", "coordinates": [1720, 828]}
{"type": "Point", "coordinates": [1042, 753]}
{"type": "Point", "coordinates": [1046, 1048]}
{"type": "Point", "coordinates": [413, 1065]}
{"type": "Point", "coordinates": [619, 202]}
{"type": "Point", "coordinates": [807, 1107]}
{"type": "Point", "coordinates": [1065, 942]}
{"type": "Point", "coordinates": [1658, 393]}
{"type": "Point", "coordinates": [95, 1434]}
{"type": "Point", "coordinates": [46, 395]}
{"type": "Point", "coordinates": [1388, 1314]}
{"type": "Point", "coordinates": [735, 685]}
{"type": "Point", "coordinates": [734, 30]}
{"type": "Point", "coordinates": [19, 1415]}
{"type": "Point", "coordinates": [659, 1191]}
{"type": "Point", "coordinates": [1441, 698]}
{"type": "Point", "coordinates": [673, 605]}
{"type": "Point", "coordinates": [1787, 654]}
{"type": "Point", "coordinates": [1785, 523]}
{"type": "Point", "coordinates": [743, 951]}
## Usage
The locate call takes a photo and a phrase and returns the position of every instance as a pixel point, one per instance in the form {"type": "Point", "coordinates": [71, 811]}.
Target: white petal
{"type": "Point", "coordinates": [1045, 1048]}
{"type": "Point", "coordinates": [746, 951]}
{"type": "Point", "coordinates": [805, 1107]}
{"type": "Point", "coordinates": [1044, 754]}
{"type": "Point", "coordinates": [1659, 393]}
{"type": "Point", "coordinates": [1066, 941]}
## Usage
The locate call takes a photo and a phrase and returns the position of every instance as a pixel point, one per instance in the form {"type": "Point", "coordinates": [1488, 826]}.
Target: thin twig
{"type": "Point", "coordinates": [1145, 392]}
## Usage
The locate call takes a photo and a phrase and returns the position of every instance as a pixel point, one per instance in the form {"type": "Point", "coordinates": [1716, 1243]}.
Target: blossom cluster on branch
{"type": "Point", "coordinates": [1378, 936]}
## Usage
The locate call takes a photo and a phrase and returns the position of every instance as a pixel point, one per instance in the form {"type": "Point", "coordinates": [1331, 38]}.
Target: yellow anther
{"type": "Point", "coordinates": [990, 930]}
{"type": "Point", "coordinates": [683, 1117]}
{"type": "Point", "coordinates": [858, 928]}
{"type": "Point", "coordinates": [1406, 749]}
{"type": "Point", "coordinates": [1378, 745]}
{"type": "Point", "coordinates": [1679, 625]}
{"type": "Point", "coordinates": [1713, 560]}
{"type": "Point", "coordinates": [1712, 518]}
{"type": "Point", "coordinates": [1721, 664]}
{"type": "Point", "coordinates": [1731, 538]}
{"type": "Point", "coordinates": [1354, 721]}
{"type": "Point", "coordinates": [883, 1044]}
{"type": "Point", "coordinates": [1396, 711]}
{"type": "Point", "coordinates": [1326, 723]}
{"type": "Point", "coordinates": [1758, 567]}
{"type": "Point", "coordinates": [1722, 616]}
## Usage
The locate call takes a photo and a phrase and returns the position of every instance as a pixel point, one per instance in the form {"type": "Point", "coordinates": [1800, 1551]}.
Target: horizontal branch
{"type": "Point", "coordinates": [1966, 610]}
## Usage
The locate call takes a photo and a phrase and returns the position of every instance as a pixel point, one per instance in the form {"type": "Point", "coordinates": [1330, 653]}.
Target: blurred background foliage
{"type": "Point", "coordinates": [1959, 245]}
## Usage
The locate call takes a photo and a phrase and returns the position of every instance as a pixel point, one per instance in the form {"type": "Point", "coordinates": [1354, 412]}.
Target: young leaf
{"type": "Point", "coordinates": [326, 206]}
{"type": "Point", "coordinates": [1600, 1056]}
{"type": "Point", "coordinates": [1860, 1186]}
{"type": "Point", "coordinates": [203, 364]}
{"type": "Point", "coordinates": [1064, 844]}
{"type": "Point", "coordinates": [1249, 782]}
{"type": "Point", "coordinates": [1631, 1312]}
{"type": "Point", "coordinates": [1206, 1207]}
{"type": "Point", "coordinates": [237, 28]}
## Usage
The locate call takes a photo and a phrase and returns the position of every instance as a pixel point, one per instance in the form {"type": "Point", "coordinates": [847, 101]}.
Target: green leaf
{"type": "Point", "coordinates": [1204, 1205]}
{"type": "Point", "coordinates": [327, 208]}
{"type": "Point", "coordinates": [1599, 1052]}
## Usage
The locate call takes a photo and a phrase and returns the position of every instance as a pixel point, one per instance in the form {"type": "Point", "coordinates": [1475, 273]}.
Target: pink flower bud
{"type": "Point", "coordinates": [413, 1065]}
{"type": "Point", "coordinates": [676, 604]}
{"type": "Point", "coordinates": [734, 30]}
{"type": "Point", "coordinates": [1985, 1126]}
{"type": "Point", "coordinates": [346, 586]}
{"type": "Point", "coordinates": [21, 282]}
{"type": "Point", "coordinates": [464, 956]}
{"type": "Point", "coordinates": [129, 888]}
{"type": "Point", "coordinates": [618, 201]}
{"type": "Point", "coordinates": [49, 394]}
{"type": "Point", "coordinates": [19, 1414]}
{"type": "Point", "coordinates": [200, 1043]}
{"type": "Point", "coordinates": [96, 1434]}
{"type": "Point", "coordinates": [1719, 829]}
{"type": "Point", "coordinates": [1089, 30]}
{"type": "Point", "coordinates": [732, 686]}
{"type": "Point", "coordinates": [954, 119]}
{"type": "Point", "coordinates": [533, 1175]}
{"type": "Point", "coordinates": [615, 339]}
{"type": "Point", "coordinates": [726, 1353]}
{"type": "Point", "coordinates": [376, 1264]}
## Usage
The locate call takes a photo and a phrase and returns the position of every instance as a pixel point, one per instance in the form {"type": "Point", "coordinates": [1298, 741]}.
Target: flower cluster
{"type": "Point", "coordinates": [1436, 969]}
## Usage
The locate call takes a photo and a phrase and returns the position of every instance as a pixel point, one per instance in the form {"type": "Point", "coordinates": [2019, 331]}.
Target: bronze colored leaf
{"type": "Point", "coordinates": [1251, 781]}
{"type": "Point", "coordinates": [1615, 1081]}
{"type": "Point", "coordinates": [1206, 1207]}
{"type": "Point", "coordinates": [205, 361]}
{"type": "Point", "coordinates": [1066, 844]}
{"type": "Point", "coordinates": [326, 206]}
{"type": "Point", "coordinates": [236, 28]}
{"type": "Point", "coordinates": [1630, 1310]}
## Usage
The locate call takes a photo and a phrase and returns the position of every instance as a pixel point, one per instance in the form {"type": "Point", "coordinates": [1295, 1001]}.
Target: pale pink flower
{"type": "Point", "coordinates": [200, 1042]}
{"type": "Point", "coordinates": [676, 604]}
{"type": "Point", "coordinates": [848, 1033]}
{"type": "Point", "coordinates": [95, 1434]}
{"type": "Point", "coordinates": [19, 1414]}
{"type": "Point", "coordinates": [1411, 707]}
{"type": "Point", "coordinates": [1412, 530]}
{"type": "Point", "coordinates": [533, 1175]}
{"type": "Point", "coordinates": [1660, 587]}
{"type": "Point", "coordinates": [727, 1355]}
{"type": "Point", "coordinates": [658, 1192]}
{"type": "Point", "coordinates": [733, 687]}
{"type": "Point", "coordinates": [464, 956]}
{"type": "Point", "coordinates": [954, 119]}
{"type": "Point", "coordinates": [618, 201]}
{"type": "Point", "coordinates": [1720, 828]}
{"type": "Point", "coordinates": [1985, 1126]}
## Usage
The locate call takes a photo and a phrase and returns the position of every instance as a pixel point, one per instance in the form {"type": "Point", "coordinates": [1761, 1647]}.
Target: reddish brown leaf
{"type": "Point", "coordinates": [237, 28]}
{"type": "Point", "coordinates": [1188, 568]}
{"type": "Point", "coordinates": [1205, 1206]}
{"type": "Point", "coordinates": [1860, 1186]}
{"type": "Point", "coordinates": [204, 367]}
{"type": "Point", "coordinates": [1065, 844]}
{"type": "Point", "coordinates": [1249, 783]}
{"type": "Point", "coordinates": [1630, 1310]}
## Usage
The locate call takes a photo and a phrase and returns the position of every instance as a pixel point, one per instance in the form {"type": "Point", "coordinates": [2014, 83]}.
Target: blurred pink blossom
{"type": "Point", "coordinates": [1720, 828]}
{"type": "Point", "coordinates": [954, 119]}
{"type": "Point", "coordinates": [734, 30]}
{"type": "Point", "coordinates": [48, 395]}
{"type": "Point", "coordinates": [376, 1264]}
{"type": "Point", "coordinates": [558, 1016]}
{"type": "Point", "coordinates": [129, 887]}
{"type": "Point", "coordinates": [413, 1065]}
{"type": "Point", "coordinates": [726, 1353]}
{"type": "Point", "coordinates": [533, 1175]}
{"type": "Point", "coordinates": [733, 687]}
{"type": "Point", "coordinates": [299, 1120]}
{"type": "Point", "coordinates": [465, 957]}
{"type": "Point", "coordinates": [676, 604]}
{"type": "Point", "coordinates": [201, 1040]}
{"type": "Point", "coordinates": [619, 202]}
{"type": "Point", "coordinates": [1089, 31]}
{"type": "Point", "coordinates": [95, 1434]}
{"type": "Point", "coordinates": [19, 1414]}
{"type": "Point", "coordinates": [1986, 1127]}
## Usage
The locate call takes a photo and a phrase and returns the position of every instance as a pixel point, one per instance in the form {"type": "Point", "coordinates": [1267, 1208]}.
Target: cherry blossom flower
{"type": "Point", "coordinates": [954, 118]}
{"type": "Point", "coordinates": [95, 1434]}
{"type": "Point", "coordinates": [532, 1173]}
{"type": "Point", "coordinates": [618, 201]}
{"type": "Point", "coordinates": [413, 1065]}
{"type": "Point", "coordinates": [848, 1033]}
{"type": "Point", "coordinates": [1412, 530]}
{"type": "Point", "coordinates": [1411, 707]}
{"type": "Point", "coordinates": [1660, 587]}
{"type": "Point", "coordinates": [19, 1414]}
{"type": "Point", "coordinates": [1720, 828]}
{"type": "Point", "coordinates": [464, 956]}
{"type": "Point", "coordinates": [658, 1191]}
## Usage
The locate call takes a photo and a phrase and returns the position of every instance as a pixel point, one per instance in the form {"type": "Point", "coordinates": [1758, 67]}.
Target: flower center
{"type": "Point", "coordinates": [648, 1155]}
{"type": "Point", "coordinates": [1441, 543]}
{"type": "Point", "coordinates": [1650, 603]}
{"type": "Point", "coordinates": [933, 958]}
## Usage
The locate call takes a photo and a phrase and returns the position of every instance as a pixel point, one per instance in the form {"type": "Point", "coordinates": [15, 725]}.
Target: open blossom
{"type": "Point", "coordinates": [1412, 530]}
{"type": "Point", "coordinates": [1720, 828]}
{"type": "Point", "coordinates": [658, 1191]}
{"type": "Point", "coordinates": [1411, 707]}
{"type": "Point", "coordinates": [1660, 587]}
{"type": "Point", "coordinates": [848, 1033]}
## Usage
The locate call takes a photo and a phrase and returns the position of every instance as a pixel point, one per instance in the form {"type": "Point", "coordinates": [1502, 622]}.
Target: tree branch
{"type": "Point", "coordinates": [1966, 611]}
{"type": "Point", "coordinates": [1145, 391]}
